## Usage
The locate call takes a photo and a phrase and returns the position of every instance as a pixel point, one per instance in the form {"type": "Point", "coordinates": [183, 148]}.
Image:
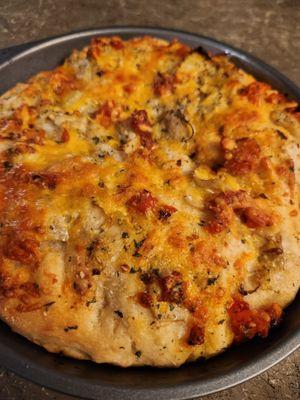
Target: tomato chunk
{"type": "Point", "coordinates": [142, 202]}
{"type": "Point", "coordinates": [247, 323]}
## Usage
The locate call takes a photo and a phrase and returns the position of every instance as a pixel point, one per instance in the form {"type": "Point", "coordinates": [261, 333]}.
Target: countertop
{"type": "Point", "coordinates": [268, 29]}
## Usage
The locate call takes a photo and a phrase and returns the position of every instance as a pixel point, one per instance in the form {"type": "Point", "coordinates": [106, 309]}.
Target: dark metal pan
{"type": "Point", "coordinates": [92, 381]}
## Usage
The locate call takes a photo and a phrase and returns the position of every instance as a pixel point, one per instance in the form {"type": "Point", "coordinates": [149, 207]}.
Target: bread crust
{"type": "Point", "coordinates": [148, 204]}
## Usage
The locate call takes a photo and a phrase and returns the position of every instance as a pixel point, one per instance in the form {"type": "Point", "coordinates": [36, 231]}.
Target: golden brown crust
{"type": "Point", "coordinates": [148, 204]}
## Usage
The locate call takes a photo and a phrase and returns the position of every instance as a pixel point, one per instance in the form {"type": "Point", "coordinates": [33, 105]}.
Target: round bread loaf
{"type": "Point", "coordinates": [148, 204]}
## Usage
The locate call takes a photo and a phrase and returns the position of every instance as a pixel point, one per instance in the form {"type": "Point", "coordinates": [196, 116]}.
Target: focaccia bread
{"type": "Point", "coordinates": [148, 204]}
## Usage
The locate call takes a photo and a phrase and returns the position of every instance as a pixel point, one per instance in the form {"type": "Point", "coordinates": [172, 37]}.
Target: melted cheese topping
{"type": "Point", "coordinates": [148, 201]}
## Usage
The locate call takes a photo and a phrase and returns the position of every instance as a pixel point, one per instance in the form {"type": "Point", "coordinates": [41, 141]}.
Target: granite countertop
{"type": "Point", "coordinates": [268, 29]}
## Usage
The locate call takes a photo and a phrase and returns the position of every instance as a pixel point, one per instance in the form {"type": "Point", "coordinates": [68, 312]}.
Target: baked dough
{"type": "Point", "coordinates": [148, 204]}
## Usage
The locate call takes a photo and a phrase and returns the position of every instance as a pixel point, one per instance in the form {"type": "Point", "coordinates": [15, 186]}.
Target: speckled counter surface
{"type": "Point", "coordinates": [269, 29]}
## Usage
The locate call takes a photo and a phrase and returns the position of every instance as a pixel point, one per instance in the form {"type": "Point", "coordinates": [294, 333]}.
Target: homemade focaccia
{"type": "Point", "coordinates": [148, 204]}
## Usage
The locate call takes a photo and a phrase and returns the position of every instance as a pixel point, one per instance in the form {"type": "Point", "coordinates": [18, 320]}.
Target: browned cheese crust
{"type": "Point", "coordinates": [148, 204]}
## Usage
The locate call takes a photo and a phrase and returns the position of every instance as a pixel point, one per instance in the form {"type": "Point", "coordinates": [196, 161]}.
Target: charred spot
{"type": "Point", "coordinates": [71, 328]}
{"type": "Point", "coordinates": [48, 305]}
{"type": "Point", "coordinates": [166, 212]}
{"type": "Point", "coordinates": [91, 248]}
{"type": "Point", "coordinates": [196, 335]}
{"type": "Point", "coordinates": [156, 273]}
{"type": "Point", "coordinates": [200, 50]}
{"type": "Point", "coordinates": [119, 313]}
{"type": "Point", "coordinates": [163, 214]}
{"type": "Point", "coordinates": [95, 139]}
{"type": "Point", "coordinates": [45, 180]}
{"type": "Point", "coordinates": [146, 278]}
{"type": "Point", "coordinates": [245, 292]}
{"type": "Point", "coordinates": [139, 244]}
{"type": "Point", "coordinates": [221, 130]}
{"type": "Point", "coordinates": [275, 323]}
{"type": "Point", "coordinates": [7, 165]}
{"type": "Point", "coordinates": [296, 109]}
{"type": "Point", "coordinates": [96, 271]}
{"type": "Point", "coordinates": [216, 167]}
{"type": "Point", "coordinates": [92, 301]}
{"type": "Point", "coordinates": [263, 196]}
{"type": "Point", "coordinates": [281, 134]}
{"type": "Point", "coordinates": [193, 155]}
{"type": "Point", "coordinates": [138, 354]}
{"type": "Point", "coordinates": [212, 280]}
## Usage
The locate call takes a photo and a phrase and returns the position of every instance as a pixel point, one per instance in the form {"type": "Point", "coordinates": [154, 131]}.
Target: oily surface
{"type": "Point", "coordinates": [286, 9]}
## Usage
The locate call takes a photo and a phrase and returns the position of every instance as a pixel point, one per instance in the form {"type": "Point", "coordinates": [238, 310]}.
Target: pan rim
{"type": "Point", "coordinates": [65, 383]}
{"type": "Point", "coordinates": [31, 47]}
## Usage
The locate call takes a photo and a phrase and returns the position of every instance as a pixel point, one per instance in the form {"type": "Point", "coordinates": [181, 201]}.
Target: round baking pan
{"type": "Point", "coordinates": [92, 381]}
